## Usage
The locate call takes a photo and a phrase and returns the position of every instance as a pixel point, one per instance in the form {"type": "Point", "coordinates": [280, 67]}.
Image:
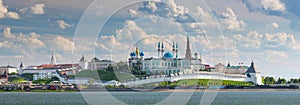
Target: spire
{"type": "Point", "coordinates": [173, 46]}
{"type": "Point", "coordinates": [162, 49]}
{"type": "Point", "coordinates": [158, 46]}
{"type": "Point", "coordinates": [188, 54]}
{"type": "Point", "coordinates": [158, 49]}
{"type": "Point", "coordinates": [251, 69]}
{"type": "Point", "coordinates": [137, 52]}
{"type": "Point", "coordinates": [82, 59]}
{"type": "Point", "coordinates": [53, 59]}
{"type": "Point", "coordinates": [21, 65]}
{"type": "Point", "coordinates": [176, 50]}
{"type": "Point", "coordinates": [228, 65]}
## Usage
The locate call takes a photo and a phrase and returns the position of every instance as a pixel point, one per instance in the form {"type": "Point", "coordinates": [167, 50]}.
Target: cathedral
{"type": "Point", "coordinates": [166, 62]}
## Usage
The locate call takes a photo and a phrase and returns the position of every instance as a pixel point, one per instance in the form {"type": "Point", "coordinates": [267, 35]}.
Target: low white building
{"type": "Point", "coordinates": [10, 69]}
{"type": "Point", "coordinates": [113, 83]}
{"type": "Point", "coordinates": [45, 75]}
{"type": "Point", "coordinates": [96, 64]}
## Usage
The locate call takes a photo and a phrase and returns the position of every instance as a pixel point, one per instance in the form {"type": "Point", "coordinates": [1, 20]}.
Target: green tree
{"type": "Point", "coordinates": [281, 81]}
{"type": "Point", "coordinates": [110, 68]}
{"type": "Point", "coordinates": [269, 80]}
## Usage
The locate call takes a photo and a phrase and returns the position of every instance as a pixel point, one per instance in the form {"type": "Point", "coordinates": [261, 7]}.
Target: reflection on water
{"type": "Point", "coordinates": [223, 98]}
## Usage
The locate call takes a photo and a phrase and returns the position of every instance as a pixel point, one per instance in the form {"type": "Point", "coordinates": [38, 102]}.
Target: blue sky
{"type": "Point", "coordinates": [234, 31]}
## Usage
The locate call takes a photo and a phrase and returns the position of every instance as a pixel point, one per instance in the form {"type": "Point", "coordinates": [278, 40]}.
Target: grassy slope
{"type": "Point", "coordinates": [109, 75]}
{"type": "Point", "coordinates": [201, 82]}
{"type": "Point", "coordinates": [105, 75]}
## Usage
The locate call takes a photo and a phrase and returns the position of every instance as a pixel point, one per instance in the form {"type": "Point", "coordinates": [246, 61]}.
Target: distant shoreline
{"type": "Point", "coordinates": [166, 90]}
{"type": "Point", "coordinates": [192, 90]}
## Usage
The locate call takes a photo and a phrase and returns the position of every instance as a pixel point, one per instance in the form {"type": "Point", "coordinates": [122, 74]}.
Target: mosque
{"type": "Point", "coordinates": [170, 64]}
{"type": "Point", "coordinates": [166, 63]}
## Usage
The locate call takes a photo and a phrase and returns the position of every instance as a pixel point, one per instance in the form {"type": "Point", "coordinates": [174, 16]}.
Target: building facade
{"type": "Point", "coordinates": [9, 69]}
{"type": "Point", "coordinates": [96, 64]}
{"type": "Point", "coordinates": [166, 63]}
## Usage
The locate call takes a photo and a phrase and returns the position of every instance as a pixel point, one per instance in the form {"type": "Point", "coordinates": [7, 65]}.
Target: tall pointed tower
{"type": "Point", "coordinates": [53, 59]}
{"type": "Point", "coordinates": [253, 75]}
{"type": "Point", "coordinates": [83, 63]}
{"type": "Point", "coordinates": [188, 53]}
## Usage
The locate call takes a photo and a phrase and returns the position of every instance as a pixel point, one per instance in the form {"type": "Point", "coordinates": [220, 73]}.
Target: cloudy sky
{"type": "Point", "coordinates": [235, 31]}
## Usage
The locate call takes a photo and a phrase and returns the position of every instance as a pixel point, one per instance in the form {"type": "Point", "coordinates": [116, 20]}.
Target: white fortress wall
{"type": "Point", "coordinates": [199, 75]}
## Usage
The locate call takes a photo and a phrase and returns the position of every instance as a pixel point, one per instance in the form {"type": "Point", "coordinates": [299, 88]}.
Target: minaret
{"type": "Point", "coordinates": [173, 48]}
{"type": "Point", "coordinates": [162, 49]}
{"type": "Point", "coordinates": [53, 59]}
{"type": "Point", "coordinates": [176, 50]}
{"type": "Point", "coordinates": [158, 49]}
{"type": "Point", "coordinates": [188, 54]}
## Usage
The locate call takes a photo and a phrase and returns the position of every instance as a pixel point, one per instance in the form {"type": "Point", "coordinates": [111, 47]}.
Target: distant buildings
{"type": "Point", "coordinates": [229, 69]}
{"type": "Point", "coordinates": [170, 64]}
{"type": "Point", "coordinates": [166, 63]}
{"type": "Point", "coordinates": [9, 68]}
{"type": "Point", "coordinates": [3, 76]}
{"type": "Point", "coordinates": [96, 64]}
{"type": "Point", "coordinates": [45, 71]}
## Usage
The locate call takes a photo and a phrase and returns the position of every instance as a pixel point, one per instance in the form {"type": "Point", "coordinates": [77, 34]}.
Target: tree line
{"type": "Point", "coordinates": [271, 80]}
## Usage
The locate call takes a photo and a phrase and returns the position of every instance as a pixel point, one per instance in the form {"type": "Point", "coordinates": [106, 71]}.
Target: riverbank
{"type": "Point", "coordinates": [224, 90]}
{"type": "Point", "coordinates": [187, 90]}
{"type": "Point", "coordinates": [41, 91]}
{"type": "Point", "coordinates": [160, 90]}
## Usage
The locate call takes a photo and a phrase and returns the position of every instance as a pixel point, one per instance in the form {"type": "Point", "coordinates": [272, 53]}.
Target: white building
{"type": "Point", "coordinates": [166, 63]}
{"type": "Point", "coordinates": [10, 69]}
{"type": "Point", "coordinates": [83, 63]}
{"type": "Point", "coordinates": [45, 75]}
{"type": "Point", "coordinates": [240, 69]}
{"type": "Point", "coordinates": [45, 71]}
{"type": "Point", "coordinates": [253, 75]}
{"type": "Point", "coordinates": [96, 64]}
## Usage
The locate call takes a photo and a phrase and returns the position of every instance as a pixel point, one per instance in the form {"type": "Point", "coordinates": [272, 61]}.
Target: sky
{"type": "Point", "coordinates": [222, 31]}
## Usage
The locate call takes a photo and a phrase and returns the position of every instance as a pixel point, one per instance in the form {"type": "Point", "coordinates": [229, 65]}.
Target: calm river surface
{"type": "Point", "coordinates": [142, 98]}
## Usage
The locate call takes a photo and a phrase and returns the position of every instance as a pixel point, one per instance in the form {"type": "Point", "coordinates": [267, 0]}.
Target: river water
{"type": "Point", "coordinates": [142, 98]}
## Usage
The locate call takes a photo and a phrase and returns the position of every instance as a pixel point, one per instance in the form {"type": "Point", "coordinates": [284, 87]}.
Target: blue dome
{"type": "Point", "coordinates": [168, 55]}
{"type": "Point", "coordinates": [142, 54]}
{"type": "Point", "coordinates": [132, 54]}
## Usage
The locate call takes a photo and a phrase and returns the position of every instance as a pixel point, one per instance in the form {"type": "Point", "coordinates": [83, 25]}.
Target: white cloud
{"type": "Point", "coordinates": [271, 54]}
{"type": "Point", "coordinates": [63, 43]}
{"type": "Point", "coordinates": [273, 25]}
{"type": "Point", "coordinates": [176, 9]}
{"type": "Point", "coordinates": [171, 9]}
{"type": "Point", "coordinates": [7, 33]}
{"type": "Point", "coordinates": [267, 41]}
{"type": "Point", "coordinates": [31, 40]}
{"type": "Point", "coordinates": [3, 9]}
{"type": "Point", "coordinates": [133, 13]}
{"type": "Point", "coordinates": [152, 6]}
{"type": "Point", "coordinates": [231, 22]}
{"type": "Point", "coordinates": [23, 10]}
{"type": "Point", "coordinates": [130, 33]}
{"type": "Point", "coordinates": [203, 14]}
{"type": "Point", "coordinates": [273, 5]}
{"type": "Point", "coordinates": [38, 8]}
{"type": "Point", "coordinates": [13, 15]}
{"type": "Point", "coordinates": [62, 24]}
{"type": "Point", "coordinates": [5, 13]}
